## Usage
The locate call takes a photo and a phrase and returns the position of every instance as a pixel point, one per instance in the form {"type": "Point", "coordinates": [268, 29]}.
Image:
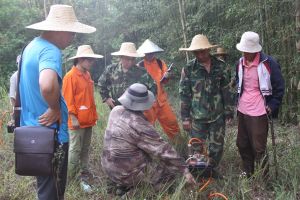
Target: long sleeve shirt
{"type": "Point", "coordinates": [205, 96]}
{"type": "Point", "coordinates": [78, 91]}
{"type": "Point", "coordinates": [130, 142]}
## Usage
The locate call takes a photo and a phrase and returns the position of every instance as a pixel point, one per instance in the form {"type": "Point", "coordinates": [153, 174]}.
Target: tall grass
{"type": "Point", "coordinates": [286, 187]}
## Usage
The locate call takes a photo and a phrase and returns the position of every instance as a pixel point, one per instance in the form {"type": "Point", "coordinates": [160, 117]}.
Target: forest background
{"type": "Point", "coordinates": [171, 24]}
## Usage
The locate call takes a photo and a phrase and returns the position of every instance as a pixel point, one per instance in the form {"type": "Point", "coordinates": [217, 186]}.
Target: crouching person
{"type": "Point", "coordinates": [130, 143]}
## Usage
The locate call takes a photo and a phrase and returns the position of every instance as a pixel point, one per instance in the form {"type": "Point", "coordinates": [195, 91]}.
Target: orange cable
{"type": "Point", "coordinates": [217, 194]}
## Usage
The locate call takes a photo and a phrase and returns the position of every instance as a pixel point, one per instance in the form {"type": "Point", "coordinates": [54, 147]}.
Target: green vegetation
{"type": "Point", "coordinates": [223, 21]}
{"type": "Point", "coordinates": [287, 186]}
{"type": "Point", "coordinates": [169, 24]}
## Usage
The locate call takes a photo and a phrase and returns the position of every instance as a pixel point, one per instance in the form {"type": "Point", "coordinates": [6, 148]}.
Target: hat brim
{"type": "Point", "coordinates": [197, 48]}
{"type": "Point", "coordinates": [220, 54]}
{"type": "Point", "coordinates": [242, 48]}
{"type": "Point", "coordinates": [134, 105]}
{"type": "Point", "coordinates": [75, 27]}
{"type": "Point", "coordinates": [135, 55]}
{"type": "Point", "coordinates": [145, 52]}
{"type": "Point", "coordinates": [86, 56]}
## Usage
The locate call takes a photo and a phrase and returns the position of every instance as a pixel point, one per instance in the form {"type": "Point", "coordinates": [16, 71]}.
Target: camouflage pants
{"type": "Point", "coordinates": [156, 174]}
{"type": "Point", "coordinates": [213, 133]}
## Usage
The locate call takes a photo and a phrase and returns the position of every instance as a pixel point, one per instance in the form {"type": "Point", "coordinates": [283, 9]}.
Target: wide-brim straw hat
{"type": "Point", "coordinates": [249, 43]}
{"type": "Point", "coordinates": [220, 51]}
{"type": "Point", "coordinates": [85, 51]}
{"type": "Point", "coordinates": [62, 18]}
{"type": "Point", "coordinates": [149, 47]}
{"type": "Point", "coordinates": [137, 97]}
{"type": "Point", "coordinates": [199, 42]}
{"type": "Point", "coordinates": [128, 49]}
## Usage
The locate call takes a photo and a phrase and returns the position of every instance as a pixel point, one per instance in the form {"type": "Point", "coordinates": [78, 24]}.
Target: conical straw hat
{"type": "Point", "coordinates": [128, 49]}
{"type": "Point", "coordinates": [85, 51]}
{"type": "Point", "coordinates": [62, 18]}
{"type": "Point", "coordinates": [199, 42]}
{"type": "Point", "coordinates": [149, 47]}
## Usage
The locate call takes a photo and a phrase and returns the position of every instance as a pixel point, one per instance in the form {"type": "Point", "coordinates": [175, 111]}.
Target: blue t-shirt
{"type": "Point", "coordinates": [37, 56]}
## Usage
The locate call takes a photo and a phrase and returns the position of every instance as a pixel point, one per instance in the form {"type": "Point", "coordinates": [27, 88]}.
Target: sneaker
{"type": "Point", "coordinates": [86, 187]}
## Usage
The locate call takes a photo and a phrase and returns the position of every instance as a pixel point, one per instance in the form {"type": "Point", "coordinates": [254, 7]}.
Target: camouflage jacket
{"type": "Point", "coordinates": [113, 82]}
{"type": "Point", "coordinates": [130, 142]}
{"type": "Point", "coordinates": [206, 96]}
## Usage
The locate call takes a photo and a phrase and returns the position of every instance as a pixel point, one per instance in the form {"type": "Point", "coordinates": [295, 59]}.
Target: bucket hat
{"type": "Point", "coordinates": [249, 43]}
{"type": "Point", "coordinates": [199, 42]}
{"type": "Point", "coordinates": [220, 51]}
{"type": "Point", "coordinates": [149, 47]}
{"type": "Point", "coordinates": [62, 18]}
{"type": "Point", "coordinates": [128, 49]}
{"type": "Point", "coordinates": [137, 98]}
{"type": "Point", "coordinates": [85, 51]}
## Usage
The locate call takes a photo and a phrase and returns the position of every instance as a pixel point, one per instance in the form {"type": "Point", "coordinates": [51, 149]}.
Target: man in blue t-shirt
{"type": "Point", "coordinates": [40, 86]}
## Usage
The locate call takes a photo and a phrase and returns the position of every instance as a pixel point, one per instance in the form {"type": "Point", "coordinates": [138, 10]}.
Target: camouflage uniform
{"type": "Point", "coordinates": [113, 82]}
{"type": "Point", "coordinates": [130, 144]}
{"type": "Point", "coordinates": [206, 101]}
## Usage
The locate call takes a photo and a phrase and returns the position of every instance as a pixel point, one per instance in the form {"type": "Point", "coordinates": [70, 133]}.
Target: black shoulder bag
{"type": "Point", "coordinates": [34, 146]}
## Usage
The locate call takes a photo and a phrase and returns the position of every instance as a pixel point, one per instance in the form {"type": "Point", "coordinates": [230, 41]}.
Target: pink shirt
{"type": "Point", "coordinates": [251, 102]}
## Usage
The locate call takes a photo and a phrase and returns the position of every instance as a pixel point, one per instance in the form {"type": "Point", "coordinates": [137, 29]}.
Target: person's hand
{"type": "Point", "coordinates": [75, 122]}
{"type": "Point", "coordinates": [269, 110]}
{"type": "Point", "coordinates": [110, 102]}
{"type": "Point", "coordinates": [49, 117]}
{"type": "Point", "coordinates": [189, 178]}
{"type": "Point", "coordinates": [186, 125]}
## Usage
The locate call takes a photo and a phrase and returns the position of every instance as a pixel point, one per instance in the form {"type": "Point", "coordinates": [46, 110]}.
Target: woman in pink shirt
{"type": "Point", "coordinates": [260, 90]}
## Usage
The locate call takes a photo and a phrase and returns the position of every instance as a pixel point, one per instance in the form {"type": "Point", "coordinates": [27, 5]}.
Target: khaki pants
{"type": "Point", "coordinates": [80, 140]}
{"type": "Point", "coordinates": [252, 141]}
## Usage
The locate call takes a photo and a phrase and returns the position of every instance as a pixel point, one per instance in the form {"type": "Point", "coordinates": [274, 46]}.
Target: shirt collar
{"type": "Point", "coordinates": [255, 61]}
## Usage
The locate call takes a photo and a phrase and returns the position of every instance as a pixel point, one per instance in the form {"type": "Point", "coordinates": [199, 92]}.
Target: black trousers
{"type": "Point", "coordinates": [252, 142]}
{"type": "Point", "coordinates": [48, 188]}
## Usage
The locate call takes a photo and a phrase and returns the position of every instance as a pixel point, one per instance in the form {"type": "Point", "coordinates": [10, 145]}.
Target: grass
{"type": "Point", "coordinates": [287, 186]}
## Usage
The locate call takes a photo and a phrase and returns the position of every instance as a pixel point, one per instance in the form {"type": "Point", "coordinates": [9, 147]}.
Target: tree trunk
{"type": "Point", "coordinates": [45, 8]}
{"type": "Point", "coordinates": [183, 24]}
{"type": "Point", "coordinates": [298, 25]}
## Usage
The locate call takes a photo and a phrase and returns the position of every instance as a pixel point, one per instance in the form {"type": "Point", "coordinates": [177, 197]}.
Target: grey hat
{"type": "Point", "coordinates": [137, 97]}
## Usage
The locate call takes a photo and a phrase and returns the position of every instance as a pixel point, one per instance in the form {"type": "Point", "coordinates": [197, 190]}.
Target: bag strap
{"type": "Point", "coordinates": [17, 106]}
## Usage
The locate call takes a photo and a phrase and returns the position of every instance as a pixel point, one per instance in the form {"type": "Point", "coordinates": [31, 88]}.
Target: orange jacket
{"type": "Point", "coordinates": [78, 91]}
{"type": "Point", "coordinates": [156, 73]}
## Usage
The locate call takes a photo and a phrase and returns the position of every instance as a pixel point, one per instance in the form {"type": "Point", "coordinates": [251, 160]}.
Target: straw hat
{"type": "Point", "coordinates": [199, 42]}
{"type": "Point", "coordinates": [220, 51]}
{"type": "Point", "coordinates": [249, 43]}
{"type": "Point", "coordinates": [62, 18]}
{"type": "Point", "coordinates": [137, 98]}
{"type": "Point", "coordinates": [149, 47]}
{"type": "Point", "coordinates": [128, 49]}
{"type": "Point", "coordinates": [85, 51]}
